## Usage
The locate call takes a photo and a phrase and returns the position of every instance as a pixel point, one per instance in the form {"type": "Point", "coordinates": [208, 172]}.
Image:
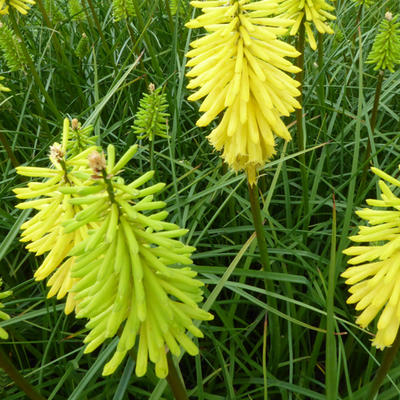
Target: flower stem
{"type": "Point", "coordinates": [321, 79]}
{"type": "Point", "coordinates": [110, 189]}
{"type": "Point", "coordinates": [3, 140]}
{"type": "Point", "coordinates": [388, 358]}
{"type": "Point", "coordinates": [258, 225]}
{"type": "Point", "coordinates": [376, 101]}
{"type": "Point", "coordinates": [10, 369]}
{"type": "Point", "coordinates": [372, 123]}
{"type": "Point", "coordinates": [330, 354]}
{"type": "Point", "coordinates": [32, 67]}
{"type": "Point", "coordinates": [300, 46]}
{"type": "Point", "coordinates": [98, 26]}
{"type": "Point", "coordinates": [57, 45]}
{"type": "Point", "coordinates": [266, 266]}
{"type": "Point", "coordinates": [175, 382]}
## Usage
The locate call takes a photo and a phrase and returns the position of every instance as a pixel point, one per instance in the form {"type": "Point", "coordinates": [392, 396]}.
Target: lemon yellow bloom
{"type": "Point", "coordinates": [374, 272]}
{"type": "Point", "coordinates": [316, 12]}
{"type": "Point", "coordinates": [20, 5]}
{"type": "Point", "coordinates": [239, 68]}
{"type": "Point", "coordinates": [52, 199]}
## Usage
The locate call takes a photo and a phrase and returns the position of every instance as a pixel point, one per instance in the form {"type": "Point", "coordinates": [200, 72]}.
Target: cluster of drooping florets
{"type": "Point", "coordinates": [385, 51]}
{"type": "Point", "coordinates": [120, 262]}
{"type": "Point", "coordinates": [128, 281]}
{"type": "Point", "coordinates": [239, 67]}
{"type": "Point", "coordinates": [309, 12]}
{"type": "Point", "coordinates": [44, 231]}
{"type": "Point", "coordinates": [374, 274]}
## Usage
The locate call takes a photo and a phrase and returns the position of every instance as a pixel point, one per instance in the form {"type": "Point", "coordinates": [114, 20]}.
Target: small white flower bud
{"type": "Point", "coordinates": [97, 162]}
{"type": "Point", "coordinates": [389, 16]}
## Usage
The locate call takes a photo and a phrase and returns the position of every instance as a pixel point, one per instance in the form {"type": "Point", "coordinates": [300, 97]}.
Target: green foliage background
{"type": "Point", "coordinates": [104, 88]}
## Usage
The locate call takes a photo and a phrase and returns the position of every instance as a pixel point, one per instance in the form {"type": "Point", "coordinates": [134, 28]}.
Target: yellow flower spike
{"type": "Point", "coordinates": [239, 68]}
{"type": "Point", "coordinates": [315, 12]}
{"type": "Point", "coordinates": [22, 6]}
{"type": "Point", "coordinates": [44, 232]}
{"type": "Point", "coordinates": [374, 271]}
{"type": "Point", "coordinates": [125, 272]}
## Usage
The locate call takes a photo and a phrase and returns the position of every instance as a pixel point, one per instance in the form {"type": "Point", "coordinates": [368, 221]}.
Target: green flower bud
{"type": "Point", "coordinates": [152, 118]}
{"type": "Point", "coordinates": [385, 51]}
{"type": "Point", "coordinates": [123, 9]}
{"type": "Point", "coordinates": [11, 48]}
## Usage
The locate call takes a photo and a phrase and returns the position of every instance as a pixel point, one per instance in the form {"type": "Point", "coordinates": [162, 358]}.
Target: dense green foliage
{"type": "Point", "coordinates": [103, 88]}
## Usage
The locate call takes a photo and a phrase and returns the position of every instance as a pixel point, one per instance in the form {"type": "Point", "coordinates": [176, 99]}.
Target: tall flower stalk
{"type": "Point", "coordinates": [239, 69]}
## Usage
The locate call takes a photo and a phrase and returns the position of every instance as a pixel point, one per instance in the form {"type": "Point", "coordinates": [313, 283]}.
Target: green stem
{"type": "Point", "coordinates": [372, 123]}
{"type": "Point", "coordinates": [108, 182]}
{"type": "Point", "coordinates": [321, 78]}
{"type": "Point", "coordinates": [32, 67]}
{"type": "Point", "coordinates": [60, 53]}
{"type": "Point", "coordinates": [10, 369]}
{"type": "Point", "coordinates": [388, 358]}
{"type": "Point", "coordinates": [266, 266]}
{"type": "Point", "coordinates": [168, 9]}
{"type": "Point", "coordinates": [300, 46]}
{"type": "Point", "coordinates": [358, 22]}
{"type": "Point", "coordinates": [98, 26]}
{"type": "Point", "coordinates": [264, 358]}
{"type": "Point", "coordinates": [152, 154]}
{"type": "Point", "coordinates": [175, 382]}
{"type": "Point", "coordinates": [376, 100]}
{"type": "Point", "coordinates": [64, 167]}
{"type": "Point", "coordinates": [330, 361]}
{"type": "Point", "coordinates": [143, 28]}
{"type": "Point", "coordinates": [259, 227]}
{"type": "Point", "coordinates": [3, 140]}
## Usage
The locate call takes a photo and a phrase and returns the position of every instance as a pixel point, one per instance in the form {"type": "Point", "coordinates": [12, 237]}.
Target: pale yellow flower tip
{"type": "Point", "coordinates": [239, 68]}
{"type": "Point", "coordinates": [315, 12]}
{"type": "Point", "coordinates": [375, 279]}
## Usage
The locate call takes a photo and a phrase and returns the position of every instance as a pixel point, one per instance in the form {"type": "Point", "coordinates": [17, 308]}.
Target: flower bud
{"type": "Point", "coordinates": [97, 162]}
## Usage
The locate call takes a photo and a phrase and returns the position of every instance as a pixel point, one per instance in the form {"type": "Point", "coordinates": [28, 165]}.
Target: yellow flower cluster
{"type": "Point", "coordinates": [314, 11]}
{"type": "Point", "coordinates": [128, 279]}
{"type": "Point", "coordinates": [110, 250]}
{"type": "Point", "coordinates": [375, 281]}
{"type": "Point", "coordinates": [44, 232]}
{"type": "Point", "coordinates": [20, 5]}
{"type": "Point", "coordinates": [239, 67]}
